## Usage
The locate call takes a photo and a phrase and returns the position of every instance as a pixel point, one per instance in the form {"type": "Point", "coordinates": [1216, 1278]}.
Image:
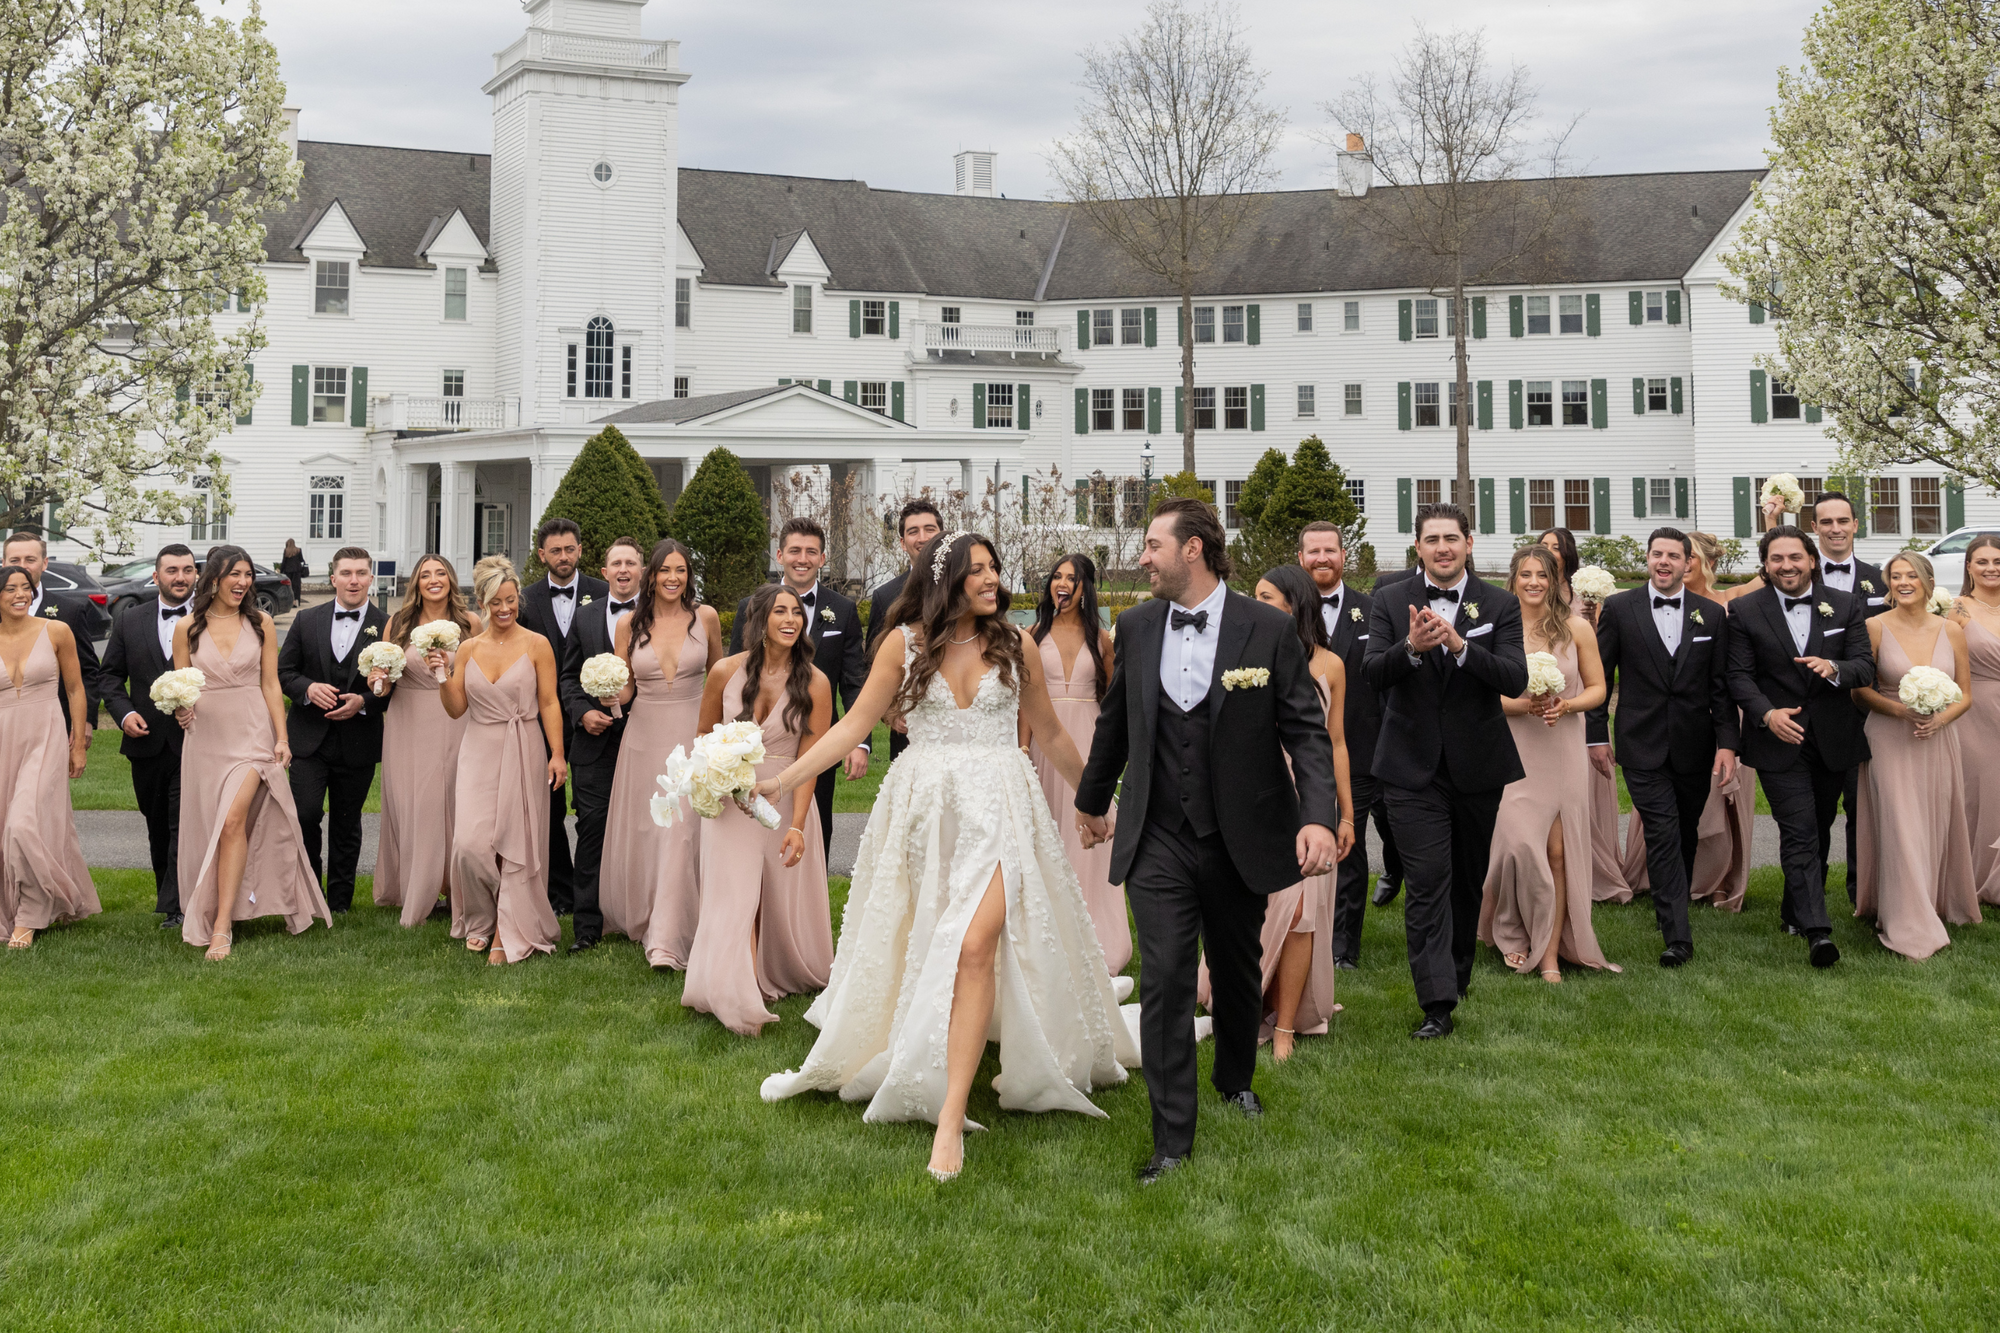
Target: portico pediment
{"type": "Point", "coordinates": [786, 407]}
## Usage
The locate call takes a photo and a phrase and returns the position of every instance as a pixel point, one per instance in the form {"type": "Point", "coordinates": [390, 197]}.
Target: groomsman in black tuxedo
{"type": "Point", "coordinates": [1836, 525]}
{"type": "Point", "coordinates": [1345, 612]}
{"type": "Point", "coordinates": [916, 525]}
{"type": "Point", "coordinates": [335, 726]}
{"type": "Point", "coordinates": [593, 755]}
{"type": "Point", "coordinates": [839, 649]}
{"type": "Point", "coordinates": [1444, 649]}
{"type": "Point", "coordinates": [1210, 821]}
{"type": "Point", "coordinates": [1667, 651]}
{"type": "Point", "coordinates": [140, 651]}
{"type": "Point", "coordinates": [28, 550]}
{"type": "Point", "coordinates": [549, 607]}
{"type": "Point", "coordinates": [1796, 650]}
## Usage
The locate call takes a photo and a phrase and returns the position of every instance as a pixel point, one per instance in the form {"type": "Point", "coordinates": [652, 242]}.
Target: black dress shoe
{"type": "Point", "coordinates": [1676, 954]}
{"type": "Point", "coordinates": [584, 942]}
{"type": "Point", "coordinates": [1433, 1027]}
{"type": "Point", "coordinates": [1246, 1102]}
{"type": "Point", "coordinates": [1824, 952]}
{"type": "Point", "coordinates": [1385, 892]}
{"type": "Point", "coordinates": [1157, 1166]}
{"type": "Point", "coordinates": [1346, 965]}
{"type": "Point", "coordinates": [174, 921]}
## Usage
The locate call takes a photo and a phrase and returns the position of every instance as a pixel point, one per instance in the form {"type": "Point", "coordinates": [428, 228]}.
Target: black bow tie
{"type": "Point", "coordinates": [1182, 619]}
{"type": "Point", "coordinates": [806, 598]}
{"type": "Point", "coordinates": [1432, 594]}
{"type": "Point", "coordinates": [347, 615]}
{"type": "Point", "coordinates": [1333, 601]}
{"type": "Point", "coordinates": [561, 592]}
{"type": "Point", "coordinates": [616, 607]}
{"type": "Point", "coordinates": [1674, 602]}
{"type": "Point", "coordinates": [1793, 603]}
{"type": "Point", "coordinates": [1832, 568]}
{"type": "Point", "coordinates": [169, 612]}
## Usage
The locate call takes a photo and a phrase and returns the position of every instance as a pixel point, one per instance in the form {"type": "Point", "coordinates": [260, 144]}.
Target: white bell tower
{"type": "Point", "coordinates": [583, 212]}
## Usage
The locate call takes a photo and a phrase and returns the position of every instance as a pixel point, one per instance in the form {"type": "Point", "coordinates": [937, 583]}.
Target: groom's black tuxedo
{"type": "Point", "coordinates": [1361, 724]}
{"type": "Point", "coordinates": [538, 613]}
{"type": "Point", "coordinates": [1870, 589]}
{"type": "Point", "coordinates": [333, 763]}
{"type": "Point", "coordinates": [132, 657]}
{"type": "Point", "coordinates": [1207, 829]}
{"type": "Point", "coordinates": [593, 760]}
{"type": "Point", "coordinates": [1444, 756]}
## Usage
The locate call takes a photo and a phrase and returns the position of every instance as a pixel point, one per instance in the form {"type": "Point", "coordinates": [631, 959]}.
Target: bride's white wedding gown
{"type": "Point", "coordinates": [960, 800]}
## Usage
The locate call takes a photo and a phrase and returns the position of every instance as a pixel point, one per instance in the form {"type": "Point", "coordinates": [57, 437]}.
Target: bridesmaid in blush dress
{"type": "Point", "coordinates": [1977, 613]}
{"type": "Point", "coordinates": [1913, 843]}
{"type": "Point", "coordinates": [43, 878]}
{"type": "Point", "coordinates": [241, 853]}
{"type": "Point", "coordinates": [766, 929]}
{"type": "Point", "coordinates": [419, 752]}
{"type": "Point", "coordinates": [1608, 882]}
{"type": "Point", "coordinates": [1536, 908]}
{"type": "Point", "coordinates": [1066, 627]}
{"type": "Point", "coordinates": [650, 882]}
{"type": "Point", "coordinates": [504, 683]}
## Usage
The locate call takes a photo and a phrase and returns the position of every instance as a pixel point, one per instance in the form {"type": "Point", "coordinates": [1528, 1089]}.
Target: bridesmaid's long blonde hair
{"type": "Point", "coordinates": [1555, 610]}
{"type": "Point", "coordinates": [410, 613]}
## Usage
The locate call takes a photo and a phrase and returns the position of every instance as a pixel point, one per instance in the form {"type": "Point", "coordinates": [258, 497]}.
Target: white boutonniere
{"type": "Point", "coordinates": [586, 600]}
{"type": "Point", "coordinates": [826, 614]}
{"type": "Point", "coordinates": [52, 611]}
{"type": "Point", "coordinates": [1354, 614]}
{"type": "Point", "coordinates": [1472, 610]}
{"type": "Point", "coordinates": [1867, 585]}
{"type": "Point", "coordinates": [1695, 616]}
{"type": "Point", "coordinates": [1246, 678]}
{"type": "Point", "coordinates": [372, 632]}
{"type": "Point", "coordinates": [1826, 610]}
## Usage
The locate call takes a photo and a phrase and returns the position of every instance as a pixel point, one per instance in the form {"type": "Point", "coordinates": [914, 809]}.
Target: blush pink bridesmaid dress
{"type": "Point", "coordinates": [1979, 740]}
{"type": "Point", "coordinates": [1074, 694]}
{"type": "Point", "coordinates": [43, 877]}
{"type": "Point", "coordinates": [420, 743]}
{"type": "Point", "coordinates": [500, 827]}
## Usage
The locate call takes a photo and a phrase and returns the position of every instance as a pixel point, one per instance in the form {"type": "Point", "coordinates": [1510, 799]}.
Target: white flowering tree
{"type": "Point", "coordinates": [1873, 239]}
{"type": "Point", "coordinates": [139, 142]}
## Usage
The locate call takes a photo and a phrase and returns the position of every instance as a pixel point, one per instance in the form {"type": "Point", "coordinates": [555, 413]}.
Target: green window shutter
{"type": "Point", "coordinates": [826, 387]}
{"type": "Point", "coordinates": [1515, 418]}
{"type": "Point", "coordinates": [1083, 411]}
{"type": "Point", "coordinates": [854, 319]}
{"type": "Point", "coordinates": [782, 381]}
{"type": "Point", "coordinates": [1152, 326]}
{"type": "Point", "coordinates": [1405, 506]}
{"type": "Point", "coordinates": [1153, 411]}
{"type": "Point", "coordinates": [357, 395]}
{"type": "Point", "coordinates": [1673, 307]}
{"type": "Point", "coordinates": [1256, 406]}
{"type": "Point", "coordinates": [1593, 321]}
{"type": "Point", "coordinates": [1180, 409]}
{"type": "Point", "coordinates": [1479, 317]}
{"type": "Point", "coordinates": [1859, 498]}
{"type": "Point", "coordinates": [1638, 497]}
{"type": "Point", "coordinates": [1403, 333]}
{"type": "Point", "coordinates": [1082, 330]}
{"type": "Point", "coordinates": [1403, 405]}
{"type": "Point", "coordinates": [1517, 505]}
{"type": "Point", "coordinates": [1486, 515]}
{"type": "Point", "coordinates": [1680, 497]}
{"type": "Point", "coordinates": [1813, 414]}
{"type": "Point", "coordinates": [1756, 312]}
{"type": "Point", "coordinates": [1253, 326]}
{"type": "Point", "coordinates": [895, 319]}
{"type": "Point", "coordinates": [896, 400]}
{"type": "Point", "coordinates": [1600, 495]}
{"type": "Point", "coordinates": [1025, 480]}
{"type": "Point", "coordinates": [1021, 416]}
{"type": "Point", "coordinates": [250, 374]}
{"type": "Point", "coordinates": [1638, 396]}
{"type": "Point", "coordinates": [301, 393]}
{"type": "Point", "coordinates": [1082, 502]}
{"type": "Point", "coordinates": [1740, 487]}
{"type": "Point", "coordinates": [242, 301]}
{"type": "Point", "coordinates": [1517, 322]}
{"type": "Point", "coordinates": [1759, 411]}
{"type": "Point", "coordinates": [1954, 505]}
{"type": "Point", "coordinates": [1600, 404]}
{"type": "Point", "coordinates": [1486, 404]}
{"type": "Point", "coordinates": [1635, 308]}
{"type": "Point", "coordinates": [1674, 394]}
{"type": "Point", "coordinates": [978, 406]}
{"type": "Point", "coordinates": [850, 391]}
{"type": "Point", "coordinates": [181, 396]}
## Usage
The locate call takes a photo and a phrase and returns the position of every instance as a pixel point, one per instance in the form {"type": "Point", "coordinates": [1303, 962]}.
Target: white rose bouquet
{"type": "Point", "coordinates": [1545, 676]}
{"type": "Point", "coordinates": [1593, 583]}
{"type": "Point", "coordinates": [1940, 604]}
{"type": "Point", "coordinates": [174, 690]}
{"type": "Point", "coordinates": [1928, 691]}
{"type": "Point", "coordinates": [384, 657]}
{"type": "Point", "coordinates": [1785, 487]}
{"type": "Point", "coordinates": [720, 766]}
{"type": "Point", "coordinates": [604, 677]}
{"type": "Point", "coordinates": [436, 636]}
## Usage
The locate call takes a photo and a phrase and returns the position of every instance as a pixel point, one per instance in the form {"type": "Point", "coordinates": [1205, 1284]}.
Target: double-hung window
{"type": "Point", "coordinates": [1926, 507]}
{"type": "Point", "coordinates": [1132, 327]}
{"type": "Point", "coordinates": [1308, 400]}
{"type": "Point", "coordinates": [1576, 402]}
{"type": "Point", "coordinates": [1204, 323]}
{"type": "Point", "coordinates": [1885, 495]}
{"type": "Point", "coordinates": [1426, 401]}
{"type": "Point", "coordinates": [802, 309]}
{"type": "Point", "coordinates": [454, 293]}
{"type": "Point", "coordinates": [1350, 316]}
{"type": "Point", "coordinates": [683, 301]}
{"type": "Point", "coordinates": [1656, 307]}
{"type": "Point", "coordinates": [1103, 409]}
{"type": "Point", "coordinates": [1236, 408]}
{"type": "Point", "coordinates": [1656, 395]}
{"type": "Point", "coordinates": [330, 287]}
{"type": "Point", "coordinates": [874, 319]}
{"type": "Point", "coordinates": [1430, 491]}
{"type": "Point", "coordinates": [1784, 402]}
{"type": "Point", "coordinates": [1305, 317]}
{"type": "Point", "coordinates": [1204, 409]}
{"type": "Point", "coordinates": [1660, 497]}
{"type": "Point", "coordinates": [1538, 314]}
{"type": "Point", "coordinates": [326, 509]}
{"type": "Point", "coordinates": [1576, 504]}
{"type": "Point", "coordinates": [1000, 405]}
{"type": "Point", "coordinates": [1541, 504]}
{"type": "Point", "coordinates": [1350, 400]}
{"type": "Point", "coordinates": [1135, 409]}
{"type": "Point", "coordinates": [1357, 491]}
{"type": "Point", "coordinates": [1232, 491]}
{"type": "Point", "coordinates": [875, 396]}
{"type": "Point", "coordinates": [1100, 328]}
{"type": "Point", "coordinates": [1451, 401]}
{"type": "Point", "coordinates": [1571, 313]}
{"type": "Point", "coordinates": [1426, 312]}
{"type": "Point", "coordinates": [1232, 323]}
{"type": "Point", "coordinates": [1541, 403]}
{"type": "Point", "coordinates": [329, 402]}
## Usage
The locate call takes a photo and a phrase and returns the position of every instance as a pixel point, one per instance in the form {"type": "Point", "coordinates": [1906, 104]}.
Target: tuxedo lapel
{"type": "Point", "coordinates": [1146, 655]}
{"type": "Point", "coordinates": [1688, 628]}
{"type": "Point", "coordinates": [1232, 635]}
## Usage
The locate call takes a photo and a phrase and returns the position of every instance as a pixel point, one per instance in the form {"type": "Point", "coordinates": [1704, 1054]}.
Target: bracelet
{"type": "Point", "coordinates": [801, 832]}
{"type": "Point", "coordinates": [1347, 821]}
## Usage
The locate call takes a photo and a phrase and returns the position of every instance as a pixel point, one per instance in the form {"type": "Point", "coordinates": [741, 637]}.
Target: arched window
{"type": "Point", "coordinates": [597, 358]}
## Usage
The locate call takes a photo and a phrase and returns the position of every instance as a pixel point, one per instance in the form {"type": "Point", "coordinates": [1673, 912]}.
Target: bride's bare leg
{"type": "Point", "coordinates": [1295, 962]}
{"type": "Point", "coordinates": [971, 1016]}
{"type": "Point", "coordinates": [1551, 958]}
{"type": "Point", "coordinates": [232, 854]}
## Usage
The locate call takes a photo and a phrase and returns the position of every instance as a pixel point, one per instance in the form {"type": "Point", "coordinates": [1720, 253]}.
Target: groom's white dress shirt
{"type": "Point", "coordinates": [1187, 655]}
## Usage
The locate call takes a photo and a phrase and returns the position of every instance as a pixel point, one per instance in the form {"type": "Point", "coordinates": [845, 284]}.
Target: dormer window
{"type": "Point", "coordinates": [330, 287]}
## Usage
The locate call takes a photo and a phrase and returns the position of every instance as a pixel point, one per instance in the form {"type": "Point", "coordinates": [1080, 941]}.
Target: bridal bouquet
{"type": "Point", "coordinates": [1544, 676]}
{"type": "Point", "coordinates": [174, 690]}
{"type": "Point", "coordinates": [604, 677]}
{"type": "Point", "coordinates": [1785, 487]}
{"type": "Point", "coordinates": [384, 657]}
{"type": "Point", "coordinates": [1941, 602]}
{"type": "Point", "coordinates": [1593, 584]}
{"type": "Point", "coordinates": [436, 636]}
{"type": "Point", "coordinates": [721, 766]}
{"type": "Point", "coordinates": [1927, 691]}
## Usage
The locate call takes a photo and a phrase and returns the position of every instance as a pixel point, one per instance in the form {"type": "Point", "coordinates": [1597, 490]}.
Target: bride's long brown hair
{"type": "Point", "coordinates": [937, 604]}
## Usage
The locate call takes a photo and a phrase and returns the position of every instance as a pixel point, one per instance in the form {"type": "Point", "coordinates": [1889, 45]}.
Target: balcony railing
{"type": "Point", "coordinates": [404, 411]}
{"type": "Point", "coordinates": [577, 48]}
{"type": "Point", "coordinates": [1037, 340]}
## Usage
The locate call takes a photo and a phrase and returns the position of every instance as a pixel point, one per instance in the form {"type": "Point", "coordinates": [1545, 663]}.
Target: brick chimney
{"type": "Point", "coordinates": [1355, 169]}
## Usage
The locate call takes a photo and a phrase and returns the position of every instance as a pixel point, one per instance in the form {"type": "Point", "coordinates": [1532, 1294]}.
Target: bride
{"type": "Point", "coordinates": [964, 921]}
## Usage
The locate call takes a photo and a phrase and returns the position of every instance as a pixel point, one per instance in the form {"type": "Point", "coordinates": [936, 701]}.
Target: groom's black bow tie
{"type": "Point", "coordinates": [1182, 619]}
{"type": "Point", "coordinates": [1432, 594]}
{"type": "Point", "coordinates": [562, 592]}
{"type": "Point", "coordinates": [617, 607]}
{"type": "Point", "coordinates": [1832, 568]}
{"type": "Point", "coordinates": [806, 598]}
{"type": "Point", "coordinates": [169, 612]}
{"type": "Point", "coordinates": [1333, 601]}
{"type": "Point", "coordinates": [347, 615]}
{"type": "Point", "coordinates": [1793, 603]}
{"type": "Point", "coordinates": [1674, 602]}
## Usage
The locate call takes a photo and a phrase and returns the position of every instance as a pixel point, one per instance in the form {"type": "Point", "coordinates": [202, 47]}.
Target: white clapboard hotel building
{"type": "Point", "coordinates": [447, 329]}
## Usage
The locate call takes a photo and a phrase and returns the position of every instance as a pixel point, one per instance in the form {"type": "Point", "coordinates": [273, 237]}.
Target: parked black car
{"type": "Point", "coordinates": [133, 582]}
{"type": "Point", "coordinates": [77, 582]}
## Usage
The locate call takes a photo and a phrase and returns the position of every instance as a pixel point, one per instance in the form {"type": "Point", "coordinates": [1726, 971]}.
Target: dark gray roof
{"type": "Point", "coordinates": [397, 198]}
{"type": "Point", "coordinates": [687, 409]}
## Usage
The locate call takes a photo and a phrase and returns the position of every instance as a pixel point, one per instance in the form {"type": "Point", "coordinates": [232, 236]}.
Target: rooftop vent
{"type": "Point", "coordinates": [973, 172]}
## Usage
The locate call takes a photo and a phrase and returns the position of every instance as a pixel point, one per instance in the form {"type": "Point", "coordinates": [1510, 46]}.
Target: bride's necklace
{"type": "Point", "coordinates": [967, 639]}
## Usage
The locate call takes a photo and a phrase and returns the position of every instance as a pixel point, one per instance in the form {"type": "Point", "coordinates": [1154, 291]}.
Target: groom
{"type": "Point", "coordinates": [1209, 823]}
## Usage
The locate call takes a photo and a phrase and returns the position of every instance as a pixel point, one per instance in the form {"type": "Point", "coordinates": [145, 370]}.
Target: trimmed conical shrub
{"type": "Point", "coordinates": [720, 518]}
{"type": "Point", "coordinates": [600, 494]}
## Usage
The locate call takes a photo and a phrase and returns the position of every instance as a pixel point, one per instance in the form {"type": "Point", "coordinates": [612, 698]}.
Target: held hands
{"type": "Point", "coordinates": [1092, 829]}
{"type": "Point", "coordinates": [1317, 849]}
{"type": "Point", "coordinates": [1781, 724]}
{"type": "Point", "coordinates": [1819, 666]}
{"type": "Point", "coordinates": [794, 848]}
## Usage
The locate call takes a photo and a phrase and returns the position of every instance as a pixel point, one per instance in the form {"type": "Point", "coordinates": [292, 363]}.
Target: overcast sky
{"type": "Point", "coordinates": [887, 91]}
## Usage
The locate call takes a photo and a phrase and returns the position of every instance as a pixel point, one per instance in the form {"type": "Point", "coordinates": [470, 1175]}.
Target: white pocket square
{"type": "Point", "coordinates": [1841, 630]}
{"type": "Point", "coordinates": [1360, 638]}
{"type": "Point", "coordinates": [829, 634]}
{"type": "Point", "coordinates": [1702, 638]}
{"type": "Point", "coordinates": [1475, 633]}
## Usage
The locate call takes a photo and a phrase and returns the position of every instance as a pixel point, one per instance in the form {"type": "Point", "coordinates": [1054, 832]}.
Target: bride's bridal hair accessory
{"type": "Point", "coordinates": [943, 555]}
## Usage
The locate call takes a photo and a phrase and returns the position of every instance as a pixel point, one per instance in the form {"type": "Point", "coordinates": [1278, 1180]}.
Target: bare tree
{"type": "Point", "coordinates": [1475, 204]}
{"type": "Point", "coordinates": [1170, 151]}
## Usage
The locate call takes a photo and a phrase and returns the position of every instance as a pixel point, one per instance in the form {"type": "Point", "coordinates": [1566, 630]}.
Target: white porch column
{"type": "Point", "coordinates": [455, 516]}
{"type": "Point", "coordinates": [412, 484]}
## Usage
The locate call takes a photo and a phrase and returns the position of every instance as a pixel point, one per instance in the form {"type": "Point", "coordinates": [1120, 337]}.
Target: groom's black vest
{"type": "Point", "coordinates": [1181, 792]}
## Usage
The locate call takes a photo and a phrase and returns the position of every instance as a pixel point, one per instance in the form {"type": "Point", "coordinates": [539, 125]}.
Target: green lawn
{"type": "Point", "coordinates": [369, 1129]}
